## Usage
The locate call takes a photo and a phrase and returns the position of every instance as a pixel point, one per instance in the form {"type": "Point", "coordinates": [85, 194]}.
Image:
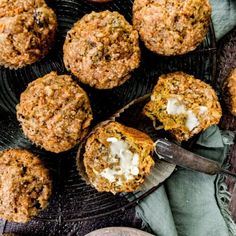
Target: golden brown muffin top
{"type": "Point", "coordinates": [102, 49]}
{"type": "Point", "coordinates": [27, 31]}
{"type": "Point", "coordinates": [230, 88]}
{"type": "Point", "coordinates": [25, 185]}
{"type": "Point", "coordinates": [16, 7]}
{"type": "Point", "coordinates": [171, 27]}
{"type": "Point", "coordinates": [54, 112]}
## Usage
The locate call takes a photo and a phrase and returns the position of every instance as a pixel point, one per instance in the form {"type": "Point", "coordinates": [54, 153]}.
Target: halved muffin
{"type": "Point", "coordinates": [117, 158]}
{"type": "Point", "coordinates": [184, 105]}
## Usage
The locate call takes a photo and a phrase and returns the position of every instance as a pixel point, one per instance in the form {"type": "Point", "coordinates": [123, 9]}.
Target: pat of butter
{"type": "Point", "coordinates": [191, 121]}
{"type": "Point", "coordinates": [127, 165]}
{"type": "Point", "coordinates": [112, 140]}
{"type": "Point", "coordinates": [202, 110]}
{"type": "Point", "coordinates": [175, 107]}
{"type": "Point", "coordinates": [109, 174]}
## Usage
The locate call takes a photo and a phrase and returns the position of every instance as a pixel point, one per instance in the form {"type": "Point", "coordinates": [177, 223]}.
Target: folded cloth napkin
{"type": "Point", "coordinates": [223, 16]}
{"type": "Point", "coordinates": [186, 204]}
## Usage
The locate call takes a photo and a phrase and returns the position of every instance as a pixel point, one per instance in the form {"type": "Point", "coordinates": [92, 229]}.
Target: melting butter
{"type": "Point", "coordinates": [202, 110]}
{"type": "Point", "coordinates": [176, 107]}
{"type": "Point", "coordinates": [192, 121]}
{"type": "Point", "coordinates": [127, 162]}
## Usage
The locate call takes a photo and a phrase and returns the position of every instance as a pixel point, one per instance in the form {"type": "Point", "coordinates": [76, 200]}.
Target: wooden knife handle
{"type": "Point", "coordinates": [177, 155]}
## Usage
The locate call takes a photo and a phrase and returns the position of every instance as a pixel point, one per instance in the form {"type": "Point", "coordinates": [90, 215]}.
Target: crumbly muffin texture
{"type": "Point", "coordinates": [54, 112]}
{"type": "Point", "coordinates": [230, 92]}
{"type": "Point", "coordinates": [102, 49]}
{"type": "Point", "coordinates": [25, 185]}
{"type": "Point", "coordinates": [171, 27]}
{"type": "Point", "coordinates": [184, 105]}
{"type": "Point", "coordinates": [117, 158]}
{"type": "Point", "coordinates": [27, 31]}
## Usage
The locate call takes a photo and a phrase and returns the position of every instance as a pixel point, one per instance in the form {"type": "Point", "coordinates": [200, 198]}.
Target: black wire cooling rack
{"type": "Point", "coordinates": [73, 201]}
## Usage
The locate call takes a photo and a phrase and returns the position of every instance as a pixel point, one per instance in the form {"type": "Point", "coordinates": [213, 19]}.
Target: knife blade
{"type": "Point", "coordinates": [179, 156]}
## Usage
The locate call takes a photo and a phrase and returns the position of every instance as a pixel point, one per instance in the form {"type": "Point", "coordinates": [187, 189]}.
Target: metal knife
{"type": "Point", "coordinates": [179, 156]}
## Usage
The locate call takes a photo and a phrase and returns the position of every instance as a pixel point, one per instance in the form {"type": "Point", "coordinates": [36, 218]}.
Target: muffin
{"type": "Point", "coordinates": [102, 49]}
{"type": "Point", "coordinates": [25, 185]}
{"type": "Point", "coordinates": [54, 112]}
{"type": "Point", "coordinates": [8, 234]}
{"type": "Point", "coordinates": [230, 92]}
{"type": "Point", "coordinates": [27, 31]}
{"type": "Point", "coordinates": [117, 158]}
{"type": "Point", "coordinates": [171, 27]}
{"type": "Point", "coordinates": [184, 105]}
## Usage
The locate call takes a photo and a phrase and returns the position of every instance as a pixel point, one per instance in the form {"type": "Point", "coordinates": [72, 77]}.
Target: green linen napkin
{"type": "Point", "coordinates": [187, 203]}
{"type": "Point", "coordinates": [223, 16]}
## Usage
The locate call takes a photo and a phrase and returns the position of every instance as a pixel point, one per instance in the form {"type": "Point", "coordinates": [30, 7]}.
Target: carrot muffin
{"type": "Point", "coordinates": [117, 158]}
{"type": "Point", "coordinates": [54, 112]}
{"type": "Point", "coordinates": [25, 185]}
{"type": "Point", "coordinates": [27, 31]}
{"type": "Point", "coordinates": [184, 105]}
{"type": "Point", "coordinates": [102, 49]}
{"type": "Point", "coordinates": [8, 234]}
{"type": "Point", "coordinates": [171, 27]}
{"type": "Point", "coordinates": [230, 92]}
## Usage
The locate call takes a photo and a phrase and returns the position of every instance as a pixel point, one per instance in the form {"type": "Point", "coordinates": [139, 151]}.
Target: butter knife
{"type": "Point", "coordinates": [179, 156]}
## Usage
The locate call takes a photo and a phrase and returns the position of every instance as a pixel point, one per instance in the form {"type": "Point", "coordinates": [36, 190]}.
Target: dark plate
{"type": "Point", "coordinates": [73, 201]}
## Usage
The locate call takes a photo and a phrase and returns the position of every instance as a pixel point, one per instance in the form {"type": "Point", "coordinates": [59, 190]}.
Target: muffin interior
{"type": "Point", "coordinates": [117, 158]}
{"type": "Point", "coordinates": [183, 104]}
